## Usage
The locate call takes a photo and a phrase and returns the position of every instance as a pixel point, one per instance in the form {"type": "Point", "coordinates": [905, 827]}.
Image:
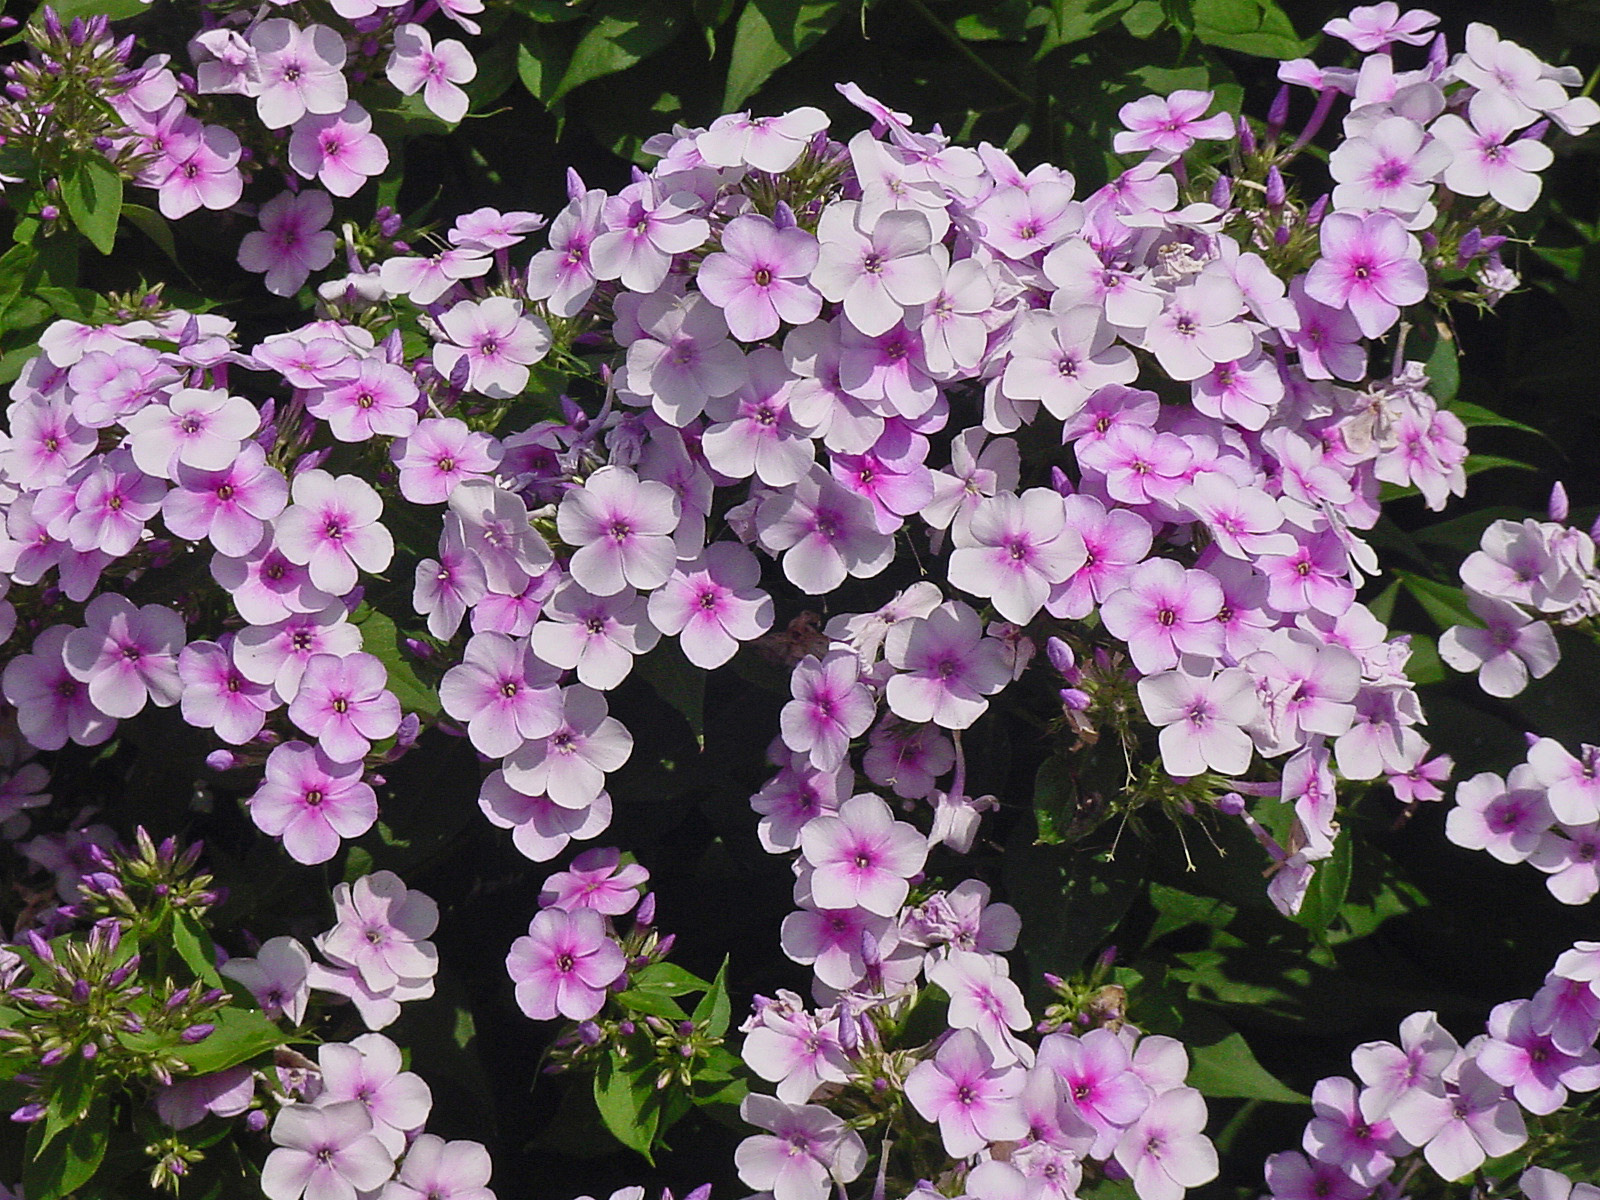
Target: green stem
{"type": "Point", "coordinates": [967, 52]}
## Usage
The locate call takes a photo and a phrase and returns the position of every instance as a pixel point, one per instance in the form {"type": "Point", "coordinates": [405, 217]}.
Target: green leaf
{"type": "Point", "coordinates": [381, 639]}
{"type": "Point", "coordinates": [769, 34]}
{"type": "Point", "coordinates": [1474, 415]}
{"type": "Point", "coordinates": [652, 1004]}
{"type": "Point", "coordinates": [628, 32]}
{"type": "Point", "coordinates": [714, 1008]}
{"type": "Point", "coordinates": [64, 1165]}
{"type": "Point", "coordinates": [240, 1035]}
{"type": "Point", "coordinates": [116, 10]}
{"type": "Point", "coordinates": [154, 226]}
{"type": "Point", "coordinates": [1068, 21]}
{"type": "Point", "coordinates": [1145, 19]}
{"type": "Point", "coordinates": [1249, 26]}
{"type": "Point", "coordinates": [624, 1099]}
{"type": "Point", "coordinates": [678, 682]}
{"type": "Point", "coordinates": [1447, 605]}
{"type": "Point", "coordinates": [1476, 464]}
{"type": "Point", "coordinates": [194, 947]}
{"type": "Point", "coordinates": [72, 1091]}
{"type": "Point", "coordinates": [93, 194]}
{"type": "Point", "coordinates": [1443, 366]}
{"type": "Point", "coordinates": [1225, 1066]}
{"type": "Point", "coordinates": [668, 979]}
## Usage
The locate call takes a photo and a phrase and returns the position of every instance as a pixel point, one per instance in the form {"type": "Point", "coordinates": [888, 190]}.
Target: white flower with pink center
{"type": "Point", "coordinates": [861, 857]}
{"type": "Point", "coordinates": [622, 527]}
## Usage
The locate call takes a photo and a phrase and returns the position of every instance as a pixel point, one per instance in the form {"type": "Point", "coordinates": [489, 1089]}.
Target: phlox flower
{"type": "Point", "coordinates": [332, 528]}
{"type": "Point", "coordinates": [974, 1101]}
{"type": "Point", "coordinates": [437, 454]}
{"type": "Point", "coordinates": [426, 280]}
{"type": "Point", "coordinates": [907, 759]}
{"type": "Point", "coordinates": [1506, 653]}
{"type": "Point", "coordinates": [1199, 328]}
{"type": "Point", "coordinates": [876, 271]}
{"type": "Point", "coordinates": [570, 764]}
{"type": "Point", "coordinates": [47, 440]}
{"type": "Point", "coordinates": [980, 466]}
{"type": "Point", "coordinates": [324, 1153]}
{"type": "Point", "coordinates": [1098, 1083]}
{"type": "Point", "coordinates": [1341, 1135]}
{"type": "Point", "coordinates": [1202, 720]}
{"type": "Point", "coordinates": [201, 171]}
{"type": "Point", "coordinates": [828, 532]}
{"type": "Point", "coordinates": [231, 505]}
{"type": "Point", "coordinates": [435, 1169]}
{"type": "Point", "coordinates": [339, 149]}
{"type": "Point", "coordinates": [504, 692]}
{"type": "Point", "coordinates": [564, 274]}
{"type": "Point", "coordinates": [1165, 612]}
{"type": "Point", "coordinates": [1572, 784]}
{"type": "Point", "coordinates": [792, 797]}
{"type": "Point", "coordinates": [1512, 86]}
{"type": "Point", "coordinates": [807, 1150]}
{"type": "Point", "coordinates": [598, 636]}
{"type": "Point", "coordinates": [1315, 575]}
{"type": "Point", "coordinates": [196, 427]}
{"type": "Point", "coordinates": [1114, 541]}
{"type": "Point", "coordinates": [1165, 1150]}
{"type": "Point", "coordinates": [1395, 1075]}
{"type": "Point", "coordinates": [711, 603]}
{"type": "Point", "coordinates": [771, 144]}
{"type": "Point", "coordinates": [862, 857]}
{"type": "Point", "coordinates": [293, 239]}
{"type": "Point", "coordinates": [760, 276]}
{"type": "Point", "coordinates": [300, 71]}
{"type": "Point", "coordinates": [796, 1049]}
{"type": "Point", "coordinates": [1329, 339]}
{"type": "Point", "coordinates": [217, 696]}
{"type": "Point", "coordinates": [837, 943]}
{"type": "Point", "coordinates": [1169, 125]}
{"type": "Point", "coordinates": [277, 654]}
{"type": "Point", "coordinates": [1062, 359]}
{"type": "Point", "coordinates": [755, 433]}
{"type": "Point", "coordinates": [495, 527]}
{"type": "Point", "coordinates": [945, 667]}
{"type": "Point", "coordinates": [1038, 1169]}
{"type": "Point", "coordinates": [1541, 1183]}
{"type": "Point", "coordinates": [126, 655]}
{"type": "Point", "coordinates": [1083, 279]}
{"type": "Point", "coordinates": [622, 527]}
{"type": "Point", "coordinates": [540, 828]}
{"type": "Point", "coordinates": [1139, 465]}
{"type": "Point", "coordinates": [378, 1010]}
{"type": "Point", "coordinates": [437, 70]}
{"type": "Point", "coordinates": [1291, 1176]}
{"type": "Point", "coordinates": [1391, 167]}
{"type": "Point", "coordinates": [1022, 221]}
{"type": "Point", "coordinates": [1373, 27]}
{"type": "Point", "coordinates": [375, 398]}
{"type": "Point", "coordinates": [1458, 1132]}
{"type": "Point", "coordinates": [111, 504]}
{"type": "Point", "coordinates": [276, 977]}
{"type": "Point", "coordinates": [1014, 550]}
{"type": "Point", "coordinates": [1371, 266]}
{"type": "Point", "coordinates": [1487, 159]}
{"type": "Point", "coordinates": [984, 1000]}
{"type": "Point", "coordinates": [683, 357]}
{"type": "Point", "coordinates": [495, 341]}
{"type": "Point", "coordinates": [1537, 1071]}
{"type": "Point", "coordinates": [264, 586]}
{"type": "Point", "coordinates": [225, 1094]}
{"type": "Point", "coordinates": [381, 931]}
{"type": "Point", "coordinates": [564, 965]}
{"type": "Point", "coordinates": [52, 705]}
{"type": "Point", "coordinates": [830, 707]}
{"type": "Point", "coordinates": [311, 802]}
{"type": "Point", "coordinates": [597, 879]}
{"type": "Point", "coordinates": [366, 1070]}
{"type": "Point", "coordinates": [645, 229]}
{"type": "Point", "coordinates": [1245, 392]}
{"type": "Point", "coordinates": [1506, 817]}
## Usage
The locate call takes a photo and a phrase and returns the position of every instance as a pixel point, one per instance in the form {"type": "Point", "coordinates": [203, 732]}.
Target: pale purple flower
{"type": "Point", "coordinates": [1371, 266]}
{"type": "Point", "coordinates": [1329, 341]}
{"type": "Point", "coordinates": [202, 171]}
{"type": "Point", "coordinates": [1488, 159]}
{"type": "Point", "coordinates": [682, 357]}
{"type": "Point", "coordinates": [293, 240]}
{"type": "Point", "coordinates": [338, 148]}
{"type": "Point", "coordinates": [711, 603]}
{"type": "Point", "coordinates": [1114, 541]}
{"type": "Point", "coordinates": [333, 528]}
{"type": "Point", "coordinates": [1390, 166]}
{"type": "Point", "coordinates": [622, 526]}
{"type": "Point", "coordinates": [955, 333]}
{"type": "Point", "coordinates": [564, 965]}
{"type": "Point", "coordinates": [225, 1094]}
{"type": "Point", "coordinates": [277, 654]}
{"type": "Point", "coordinates": [1505, 653]}
{"type": "Point", "coordinates": [1246, 392]}
{"type": "Point", "coordinates": [564, 274]}
{"type": "Point", "coordinates": [1015, 549]}
{"type": "Point", "coordinates": [1314, 576]}
{"type": "Point", "coordinates": [1341, 1134]}
{"type": "Point", "coordinates": [771, 144]}
{"type": "Point", "coordinates": [760, 277]}
{"type": "Point", "coordinates": [1541, 1183]}
{"type": "Point", "coordinates": [985, 1000]}
{"type": "Point", "coordinates": [52, 705]}
{"type": "Point", "coordinates": [276, 977]}
{"type": "Point", "coordinates": [1098, 1082]}
{"type": "Point", "coordinates": [1202, 720]}
{"type": "Point", "coordinates": [1512, 86]}
{"type": "Point", "coordinates": [540, 828]}
{"type": "Point", "coordinates": [1572, 785]}
{"type": "Point", "coordinates": [1373, 27]}
{"type": "Point", "coordinates": [1164, 612]}
{"type": "Point", "coordinates": [755, 433]}
{"type": "Point", "coordinates": [496, 342]}
{"type": "Point", "coordinates": [324, 1153]}
{"type": "Point", "coordinates": [835, 943]}
{"type": "Point", "coordinates": [1504, 817]}
{"type": "Point", "coordinates": [830, 707]}
{"type": "Point", "coordinates": [1461, 1130]}
{"type": "Point", "coordinates": [300, 71]}
{"type": "Point", "coordinates": [1412, 1071]}
{"type": "Point", "coordinates": [807, 1150]}
{"type": "Point", "coordinates": [974, 1101]}
{"type": "Point", "coordinates": [1165, 1150]}
{"type": "Point", "coordinates": [1063, 359]}
{"type": "Point", "coordinates": [945, 667]}
{"type": "Point", "coordinates": [231, 505]}
{"type": "Point", "coordinates": [342, 701]}
{"type": "Point", "coordinates": [597, 879]}
{"type": "Point", "coordinates": [862, 857]}
{"type": "Point", "coordinates": [828, 532]}
{"type": "Point", "coordinates": [371, 399]}
{"type": "Point", "coordinates": [418, 64]}
{"type": "Point", "coordinates": [311, 802]}
{"type": "Point", "coordinates": [381, 931]}
{"type": "Point", "coordinates": [792, 797]}
{"type": "Point", "coordinates": [645, 229]}
{"type": "Point", "coordinates": [427, 280]}
{"type": "Point", "coordinates": [796, 1049]}
{"type": "Point", "coordinates": [598, 636]}
{"type": "Point", "coordinates": [366, 1071]}
{"type": "Point", "coordinates": [907, 759]}
{"type": "Point", "coordinates": [435, 1169]}
{"type": "Point", "coordinates": [217, 696]}
{"type": "Point", "coordinates": [504, 693]}
{"type": "Point", "coordinates": [438, 454]}
{"type": "Point", "coordinates": [127, 655]}
{"type": "Point", "coordinates": [496, 527]}
{"type": "Point", "coordinates": [1199, 328]}
{"type": "Point", "coordinates": [1291, 1176]}
{"type": "Point", "coordinates": [1537, 1071]}
{"type": "Point", "coordinates": [570, 764]}
{"type": "Point", "coordinates": [876, 271]}
{"type": "Point", "coordinates": [112, 503]}
{"type": "Point", "coordinates": [1169, 125]}
{"type": "Point", "coordinates": [1570, 858]}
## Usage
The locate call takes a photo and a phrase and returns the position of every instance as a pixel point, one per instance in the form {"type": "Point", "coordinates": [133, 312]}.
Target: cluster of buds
{"type": "Point", "coordinates": [84, 998]}
{"type": "Point", "coordinates": [142, 888]}
{"type": "Point", "coordinates": [55, 103]}
{"type": "Point", "coordinates": [1092, 1000]}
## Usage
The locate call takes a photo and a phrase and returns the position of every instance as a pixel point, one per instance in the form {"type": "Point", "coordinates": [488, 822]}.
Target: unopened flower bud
{"type": "Point", "coordinates": [1560, 507]}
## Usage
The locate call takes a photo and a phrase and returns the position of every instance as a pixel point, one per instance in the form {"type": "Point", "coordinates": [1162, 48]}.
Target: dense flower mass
{"type": "Point", "coordinates": [1145, 427]}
